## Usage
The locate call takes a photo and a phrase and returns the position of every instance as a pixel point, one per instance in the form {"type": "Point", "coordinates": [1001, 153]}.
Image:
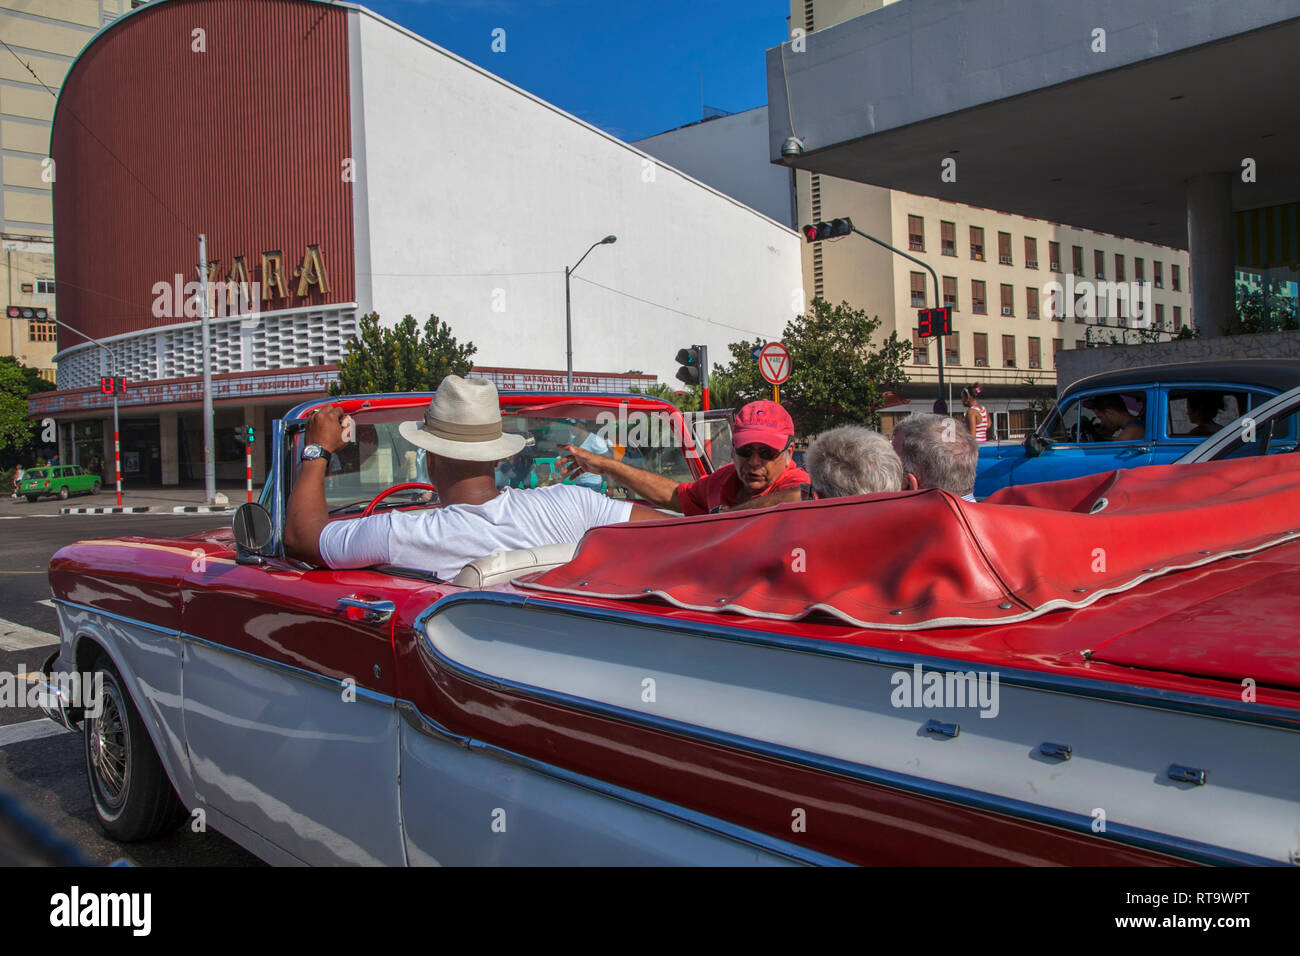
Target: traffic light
{"type": "Point", "coordinates": [828, 230]}
{"type": "Point", "coordinates": [250, 434]}
{"type": "Point", "coordinates": [691, 361]}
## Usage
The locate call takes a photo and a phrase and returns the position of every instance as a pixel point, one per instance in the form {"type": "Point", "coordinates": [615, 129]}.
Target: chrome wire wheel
{"type": "Point", "coordinates": [110, 749]}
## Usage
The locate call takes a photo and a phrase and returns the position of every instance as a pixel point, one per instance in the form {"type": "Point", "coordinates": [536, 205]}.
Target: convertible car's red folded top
{"type": "Point", "coordinates": [936, 561]}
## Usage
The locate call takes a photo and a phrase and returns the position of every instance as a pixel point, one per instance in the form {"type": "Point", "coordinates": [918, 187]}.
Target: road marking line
{"type": "Point", "coordinates": [30, 730]}
{"type": "Point", "coordinates": [16, 637]}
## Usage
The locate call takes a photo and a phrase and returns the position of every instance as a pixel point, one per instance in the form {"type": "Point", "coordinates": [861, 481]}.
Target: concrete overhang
{"type": "Point", "coordinates": [1038, 123]}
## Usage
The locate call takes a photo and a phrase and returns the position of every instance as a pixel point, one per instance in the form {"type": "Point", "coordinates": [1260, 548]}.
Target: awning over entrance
{"type": "Point", "coordinates": [1031, 110]}
{"type": "Point", "coordinates": [1269, 238]}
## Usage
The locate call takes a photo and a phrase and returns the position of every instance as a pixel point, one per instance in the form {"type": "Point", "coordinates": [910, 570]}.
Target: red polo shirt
{"type": "Point", "coordinates": [723, 488]}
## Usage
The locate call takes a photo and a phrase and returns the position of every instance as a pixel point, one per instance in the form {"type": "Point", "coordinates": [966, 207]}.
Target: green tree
{"type": "Point", "coordinates": [837, 377]}
{"type": "Point", "coordinates": [17, 431]}
{"type": "Point", "coordinates": [688, 400]}
{"type": "Point", "coordinates": [1261, 311]}
{"type": "Point", "coordinates": [401, 359]}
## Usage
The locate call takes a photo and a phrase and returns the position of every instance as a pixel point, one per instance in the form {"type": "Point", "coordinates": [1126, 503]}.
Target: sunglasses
{"type": "Point", "coordinates": [765, 452]}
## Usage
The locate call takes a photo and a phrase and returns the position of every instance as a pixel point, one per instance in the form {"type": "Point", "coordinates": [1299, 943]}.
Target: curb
{"type": "Point", "coordinates": [103, 511]}
{"type": "Point", "coordinates": [202, 509]}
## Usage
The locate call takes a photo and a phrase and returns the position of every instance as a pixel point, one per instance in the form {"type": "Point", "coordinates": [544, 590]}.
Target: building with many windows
{"type": "Point", "coordinates": [996, 270]}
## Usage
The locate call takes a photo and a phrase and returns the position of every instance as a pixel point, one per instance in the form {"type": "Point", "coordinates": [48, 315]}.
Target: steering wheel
{"type": "Point", "coordinates": [394, 490]}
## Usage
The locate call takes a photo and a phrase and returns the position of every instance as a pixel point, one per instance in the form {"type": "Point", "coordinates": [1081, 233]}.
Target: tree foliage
{"type": "Point", "coordinates": [688, 400]}
{"type": "Point", "coordinates": [1099, 334]}
{"type": "Point", "coordinates": [837, 377]}
{"type": "Point", "coordinates": [401, 359]}
{"type": "Point", "coordinates": [1262, 311]}
{"type": "Point", "coordinates": [17, 431]}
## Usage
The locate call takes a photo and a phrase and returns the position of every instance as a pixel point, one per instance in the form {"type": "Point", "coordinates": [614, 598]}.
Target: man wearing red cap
{"type": "Point", "coordinates": [760, 474]}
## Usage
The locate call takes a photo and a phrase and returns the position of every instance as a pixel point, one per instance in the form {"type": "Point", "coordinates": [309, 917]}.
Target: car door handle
{"type": "Point", "coordinates": [376, 611]}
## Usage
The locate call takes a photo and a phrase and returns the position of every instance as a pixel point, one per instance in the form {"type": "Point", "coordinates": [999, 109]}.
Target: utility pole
{"type": "Point", "coordinates": [209, 459]}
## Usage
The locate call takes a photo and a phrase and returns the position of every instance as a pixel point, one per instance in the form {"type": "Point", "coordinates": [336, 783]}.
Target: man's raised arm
{"type": "Point", "coordinates": [307, 512]}
{"type": "Point", "coordinates": [659, 490]}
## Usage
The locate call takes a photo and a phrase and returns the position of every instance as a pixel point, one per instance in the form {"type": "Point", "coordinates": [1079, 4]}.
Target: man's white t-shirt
{"type": "Point", "coordinates": [444, 540]}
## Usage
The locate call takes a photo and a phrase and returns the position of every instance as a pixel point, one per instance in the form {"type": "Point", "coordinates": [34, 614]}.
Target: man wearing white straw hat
{"type": "Point", "coordinates": [462, 434]}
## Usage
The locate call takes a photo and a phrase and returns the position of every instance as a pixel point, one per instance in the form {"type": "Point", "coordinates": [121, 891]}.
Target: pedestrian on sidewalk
{"type": "Point", "coordinates": [18, 479]}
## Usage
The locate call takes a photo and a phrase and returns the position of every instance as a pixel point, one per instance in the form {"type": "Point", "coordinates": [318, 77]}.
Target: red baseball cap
{"type": "Point", "coordinates": [764, 422]}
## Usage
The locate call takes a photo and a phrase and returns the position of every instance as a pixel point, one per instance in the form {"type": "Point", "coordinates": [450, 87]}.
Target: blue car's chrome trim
{"type": "Point", "coordinates": [1119, 833]}
{"type": "Point", "coordinates": [422, 724]}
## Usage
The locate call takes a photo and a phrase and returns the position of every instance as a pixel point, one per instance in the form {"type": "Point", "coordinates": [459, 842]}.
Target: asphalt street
{"type": "Point", "coordinates": [41, 765]}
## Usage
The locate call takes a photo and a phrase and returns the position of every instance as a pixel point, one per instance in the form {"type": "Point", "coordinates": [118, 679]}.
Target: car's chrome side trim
{"type": "Point", "coordinates": [419, 722]}
{"type": "Point", "coordinates": [422, 724]}
{"type": "Point", "coordinates": [1180, 701]}
{"type": "Point", "coordinates": [1142, 838]}
{"type": "Point", "coordinates": [136, 622]}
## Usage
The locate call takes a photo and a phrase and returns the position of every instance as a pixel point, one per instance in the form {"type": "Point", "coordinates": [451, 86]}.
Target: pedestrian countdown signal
{"type": "Point", "coordinates": [934, 322]}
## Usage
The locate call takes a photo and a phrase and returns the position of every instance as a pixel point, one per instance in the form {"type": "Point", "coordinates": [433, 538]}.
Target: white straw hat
{"type": "Point", "coordinates": [463, 422]}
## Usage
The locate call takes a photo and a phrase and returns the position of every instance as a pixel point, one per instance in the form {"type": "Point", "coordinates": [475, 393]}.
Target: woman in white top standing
{"type": "Point", "coordinates": [977, 416]}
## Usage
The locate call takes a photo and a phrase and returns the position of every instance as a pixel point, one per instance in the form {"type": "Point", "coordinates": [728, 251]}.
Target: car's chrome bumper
{"type": "Point", "coordinates": [52, 700]}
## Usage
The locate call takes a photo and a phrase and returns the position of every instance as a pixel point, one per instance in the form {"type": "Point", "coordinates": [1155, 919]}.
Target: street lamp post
{"type": "Point", "coordinates": [568, 313]}
{"type": "Point", "coordinates": [117, 445]}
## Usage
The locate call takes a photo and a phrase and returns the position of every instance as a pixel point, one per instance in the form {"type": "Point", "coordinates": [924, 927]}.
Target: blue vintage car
{"type": "Point", "coordinates": [1139, 416]}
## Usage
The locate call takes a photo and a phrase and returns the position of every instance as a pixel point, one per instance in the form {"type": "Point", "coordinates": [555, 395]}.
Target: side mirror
{"type": "Point", "coordinates": [253, 528]}
{"type": "Point", "coordinates": [1035, 445]}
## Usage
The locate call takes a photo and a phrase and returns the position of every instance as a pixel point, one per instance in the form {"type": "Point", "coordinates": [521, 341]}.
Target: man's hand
{"type": "Point", "coordinates": [325, 428]}
{"type": "Point", "coordinates": [580, 460]}
{"type": "Point", "coordinates": [658, 490]}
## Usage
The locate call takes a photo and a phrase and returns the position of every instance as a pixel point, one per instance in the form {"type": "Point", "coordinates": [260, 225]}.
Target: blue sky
{"type": "Point", "coordinates": [630, 67]}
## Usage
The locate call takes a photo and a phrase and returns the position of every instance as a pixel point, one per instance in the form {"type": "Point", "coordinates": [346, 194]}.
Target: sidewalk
{"type": "Point", "coordinates": [136, 499]}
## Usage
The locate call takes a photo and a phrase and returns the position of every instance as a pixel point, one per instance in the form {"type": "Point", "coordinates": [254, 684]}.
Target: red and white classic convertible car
{"type": "Point", "coordinates": [1104, 670]}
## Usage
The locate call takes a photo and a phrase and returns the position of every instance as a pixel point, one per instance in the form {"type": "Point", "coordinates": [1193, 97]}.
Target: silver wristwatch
{"type": "Point", "coordinates": [312, 452]}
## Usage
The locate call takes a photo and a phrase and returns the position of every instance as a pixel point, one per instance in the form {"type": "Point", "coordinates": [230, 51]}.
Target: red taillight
{"type": "Point", "coordinates": [47, 484]}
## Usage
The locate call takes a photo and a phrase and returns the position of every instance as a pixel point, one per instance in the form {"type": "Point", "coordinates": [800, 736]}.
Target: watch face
{"type": "Point", "coordinates": [311, 451]}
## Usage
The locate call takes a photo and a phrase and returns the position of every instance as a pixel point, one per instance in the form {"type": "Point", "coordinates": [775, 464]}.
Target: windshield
{"type": "Point", "coordinates": [378, 457]}
{"type": "Point", "coordinates": [36, 473]}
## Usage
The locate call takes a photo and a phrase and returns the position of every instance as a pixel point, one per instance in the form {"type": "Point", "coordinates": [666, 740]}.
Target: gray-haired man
{"type": "Point", "coordinates": [937, 452]}
{"type": "Point", "coordinates": [852, 460]}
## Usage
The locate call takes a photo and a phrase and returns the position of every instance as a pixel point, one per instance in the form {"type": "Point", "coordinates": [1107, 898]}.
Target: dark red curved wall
{"type": "Point", "coordinates": [154, 143]}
